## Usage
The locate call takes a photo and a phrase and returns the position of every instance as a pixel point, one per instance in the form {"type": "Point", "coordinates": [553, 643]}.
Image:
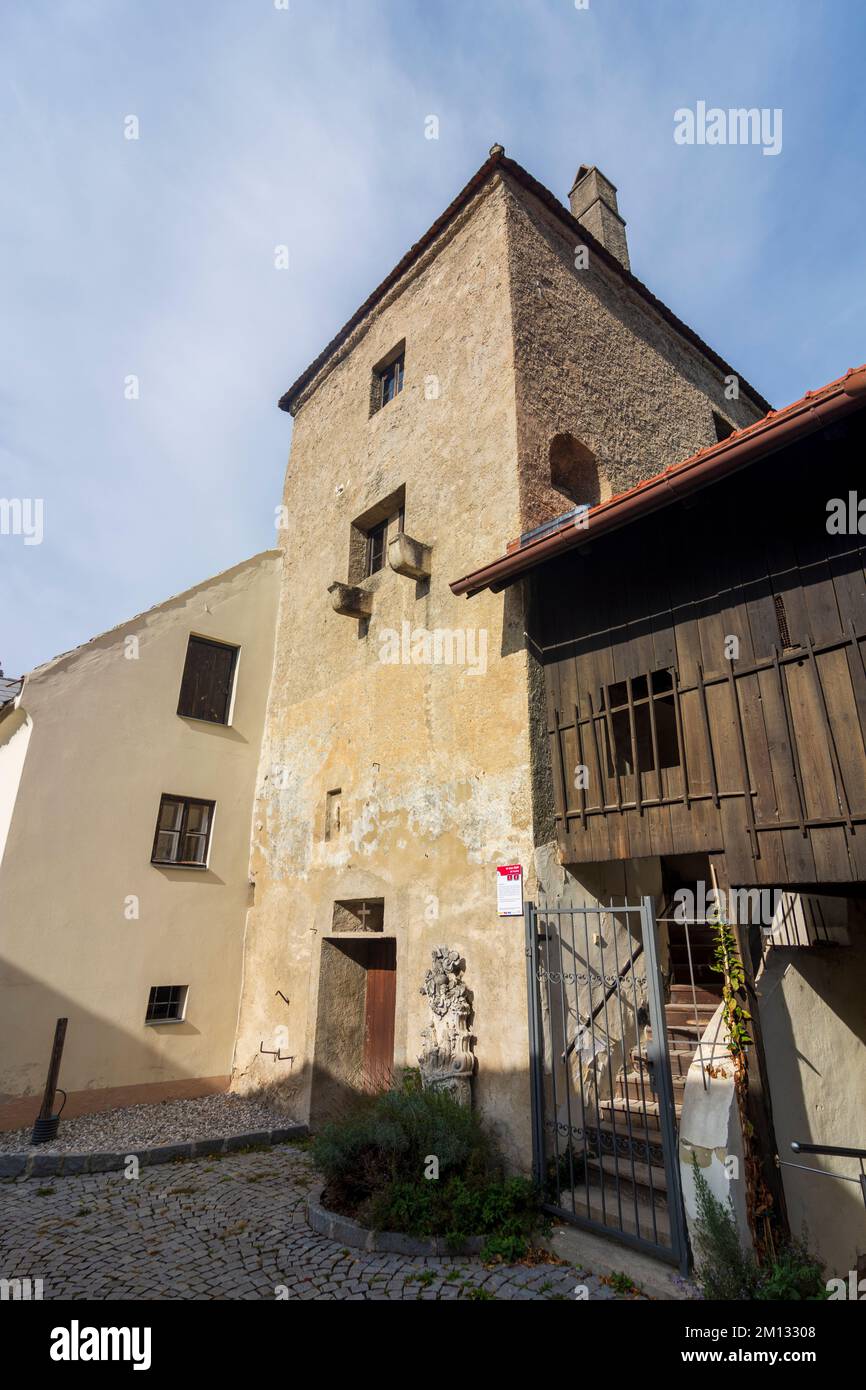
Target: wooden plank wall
{"type": "Point", "coordinates": [772, 743]}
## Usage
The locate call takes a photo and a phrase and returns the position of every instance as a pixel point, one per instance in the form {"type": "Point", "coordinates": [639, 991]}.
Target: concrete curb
{"type": "Point", "coordinates": [41, 1165]}
{"type": "Point", "coordinates": [345, 1231]}
{"type": "Point", "coordinates": [600, 1255]}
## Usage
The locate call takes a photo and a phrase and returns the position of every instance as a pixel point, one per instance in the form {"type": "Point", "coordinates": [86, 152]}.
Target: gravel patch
{"type": "Point", "coordinates": [143, 1126]}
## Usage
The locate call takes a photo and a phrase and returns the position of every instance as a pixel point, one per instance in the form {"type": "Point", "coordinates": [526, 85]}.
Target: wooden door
{"type": "Point", "coordinates": [379, 1011]}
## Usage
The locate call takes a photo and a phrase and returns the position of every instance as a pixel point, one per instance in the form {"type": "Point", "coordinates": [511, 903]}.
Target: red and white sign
{"type": "Point", "coordinates": [509, 890]}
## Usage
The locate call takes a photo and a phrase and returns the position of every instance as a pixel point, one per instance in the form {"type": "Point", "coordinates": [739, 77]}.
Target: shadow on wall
{"type": "Point", "coordinates": [319, 1093]}
{"type": "Point", "coordinates": [813, 1017]}
{"type": "Point", "coordinates": [574, 471]}
{"type": "Point", "coordinates": [29, 1009]}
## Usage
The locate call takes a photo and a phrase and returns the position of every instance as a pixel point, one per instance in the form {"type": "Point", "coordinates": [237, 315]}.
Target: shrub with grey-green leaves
{"type": "Point", "coordinates": [376, 1159]}
{"type": "Point", "coordinates": [388, 1138]}
{"type": "Point", "coordinates": [727, 1272]}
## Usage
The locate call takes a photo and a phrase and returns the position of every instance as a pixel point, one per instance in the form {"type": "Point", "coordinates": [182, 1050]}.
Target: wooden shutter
{"type": "Point", "coordinates": [206, 687]}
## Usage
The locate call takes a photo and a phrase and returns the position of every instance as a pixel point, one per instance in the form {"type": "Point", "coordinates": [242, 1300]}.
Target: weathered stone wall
{"type": "Point", "coordinates": [432, 760]}
{"type": "Point", "coordinates": [593, 359]}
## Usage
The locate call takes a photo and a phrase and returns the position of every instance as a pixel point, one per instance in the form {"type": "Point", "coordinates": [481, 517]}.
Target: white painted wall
{"type": "Point", "coordinates": [710, 1132]}
{"type": "Point", "coordinates": [813, 1016]}
{"type": "Point", "coordinates": [15, 730]}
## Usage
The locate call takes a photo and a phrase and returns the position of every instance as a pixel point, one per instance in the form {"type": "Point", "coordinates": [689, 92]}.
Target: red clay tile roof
{"type": "Point", "coordinates": [775, 429]}
{"type": "Point", "coordinates": [498, 160]}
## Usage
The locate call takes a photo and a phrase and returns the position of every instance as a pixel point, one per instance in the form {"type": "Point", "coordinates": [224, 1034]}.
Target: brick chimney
{"type": "Point", "coordinates": [593, 202]}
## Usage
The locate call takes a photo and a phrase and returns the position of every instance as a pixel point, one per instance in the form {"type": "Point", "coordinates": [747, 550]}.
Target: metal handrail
{"type": "Point", "coordinates": [828, 1149]}
{"type": "Point", "coordinates": [832, 1151]}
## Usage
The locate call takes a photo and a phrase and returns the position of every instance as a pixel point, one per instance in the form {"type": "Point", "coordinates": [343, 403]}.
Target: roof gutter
{"type": "Point", "coordinates": [680, 481]}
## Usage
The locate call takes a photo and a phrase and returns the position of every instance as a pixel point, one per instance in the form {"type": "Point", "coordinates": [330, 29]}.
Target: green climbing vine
{"type": "Point", "coordinates": [730, 967]}
{"type": "Point", "coordinates": [759, 1201]}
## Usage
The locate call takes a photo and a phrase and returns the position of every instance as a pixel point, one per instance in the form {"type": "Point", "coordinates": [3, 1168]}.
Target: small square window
{"type": "Point", "coordinates": [166, 1004]}
{"type": "Point", "coordinates": [387, 379]}
{"type": "Point", "coordinates": [183, 829]}
{"type": "Point", "coordinates": [208, 676]}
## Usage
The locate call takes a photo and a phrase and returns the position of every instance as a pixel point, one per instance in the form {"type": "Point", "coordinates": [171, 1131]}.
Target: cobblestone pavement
{"type": "Point", "coordinates": [227, 1228]}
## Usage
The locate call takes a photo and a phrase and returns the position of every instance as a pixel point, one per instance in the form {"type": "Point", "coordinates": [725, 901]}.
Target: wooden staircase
{"type": "Point", "coordinates": [623, 1184]}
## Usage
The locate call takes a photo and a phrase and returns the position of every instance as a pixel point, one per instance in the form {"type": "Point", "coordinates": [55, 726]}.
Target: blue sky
{"type": "Point", "coordinates": [262, 127]}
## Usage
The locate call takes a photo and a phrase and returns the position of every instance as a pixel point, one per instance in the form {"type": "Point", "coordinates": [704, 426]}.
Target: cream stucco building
{"type": "Point", "coordinates": [89, 924]}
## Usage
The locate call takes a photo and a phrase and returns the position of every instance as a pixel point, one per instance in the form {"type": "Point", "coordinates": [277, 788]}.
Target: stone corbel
{"type": "Point", "coordinates": [409, 557]}
{"type": "Point", "coordinates": [350, 601]}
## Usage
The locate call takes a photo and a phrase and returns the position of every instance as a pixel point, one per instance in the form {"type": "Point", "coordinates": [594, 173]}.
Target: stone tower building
{"type": "Point", "coordinates": [509, 369]}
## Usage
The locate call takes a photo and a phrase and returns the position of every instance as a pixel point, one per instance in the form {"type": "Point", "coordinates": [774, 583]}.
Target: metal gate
{"type": "Point", "coordinates": [603, 1114]}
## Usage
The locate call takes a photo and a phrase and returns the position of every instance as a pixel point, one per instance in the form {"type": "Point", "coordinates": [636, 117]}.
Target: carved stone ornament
{"type": "Point", "coordinates": [447, 1062]}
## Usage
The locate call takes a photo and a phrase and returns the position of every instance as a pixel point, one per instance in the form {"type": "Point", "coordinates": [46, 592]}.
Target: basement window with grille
{"type": "Point", "coordinates": [166, 1004]}
{"type": "Point", "coordinates": [623, 751]}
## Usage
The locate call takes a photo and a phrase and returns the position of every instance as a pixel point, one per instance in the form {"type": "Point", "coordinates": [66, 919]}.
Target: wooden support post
{"type": "Point", "coordinates": [47, 1108]}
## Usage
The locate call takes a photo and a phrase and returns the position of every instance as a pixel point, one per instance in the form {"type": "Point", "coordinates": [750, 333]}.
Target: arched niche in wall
{"type": "Point", "coordinates": [574, 471]}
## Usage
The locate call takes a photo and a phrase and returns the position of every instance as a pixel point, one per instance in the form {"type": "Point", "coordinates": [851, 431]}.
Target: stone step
{"type": "Point", "coordinates": [686, 1013]}
{"type": "Point", "coordinates": [636, 1086]}
{"type": "Point", "coordinates": [704, 1008]}
{"type": "Point", "coordinates": [631, 1118]}
{"type": "Point", "coordinates": [633, 1172]}
{"type": "Point", "coordinates": [619, 1213]}
{"type": "Point", "coordinates": [684, 1033]}
{"type": "Point", "coordinates": [680, 1059]}
{"type": "Point", "coordinates": [682, 994]}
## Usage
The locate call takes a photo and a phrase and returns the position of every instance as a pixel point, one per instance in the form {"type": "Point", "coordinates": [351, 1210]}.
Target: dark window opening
{"type": "Point", "coordinates": [574, 470]}
{"type": "Point", "coordinates": [208, 676]}
{"type": "Point", "coordinates": [655, 689]}
{"type": "Point", "coordinates": [377, 541]}
{"type": "Point", "coordinates": [723, 427]}
{"type": "Point", "coordinates": [387, 379]}
{"type": "Point", "coordinates": [376, 547]}
{"type": "Point", "coordinates": [183, 829]}
{"type": "Point", "coordinates": [166, 1003]}
{"type": "Point", "coordinates": [333, 814]}
{"type": "Point", "coordinates": [392, 380]}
